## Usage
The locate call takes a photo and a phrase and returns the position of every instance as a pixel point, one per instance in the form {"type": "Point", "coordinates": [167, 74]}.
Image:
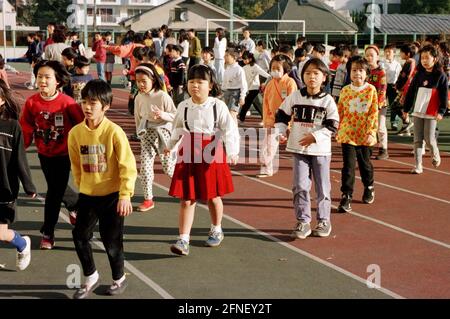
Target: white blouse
{"type": "Point", "coordinates": [200, 119]}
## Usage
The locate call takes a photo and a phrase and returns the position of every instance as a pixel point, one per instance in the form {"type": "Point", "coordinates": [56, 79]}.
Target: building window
{"type": "Point", "coordinates": [179, 14]}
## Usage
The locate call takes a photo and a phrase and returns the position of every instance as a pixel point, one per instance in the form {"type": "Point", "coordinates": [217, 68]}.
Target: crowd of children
{"type": "Point", "coordinates": [187, 103]}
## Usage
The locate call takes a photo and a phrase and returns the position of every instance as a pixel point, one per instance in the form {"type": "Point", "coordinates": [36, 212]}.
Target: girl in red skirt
{"type": "Point", "coordinates": [205, 127]}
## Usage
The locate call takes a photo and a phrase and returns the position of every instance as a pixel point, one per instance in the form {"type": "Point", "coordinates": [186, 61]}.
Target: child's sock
{"type": "Point", "coordinates": [185, 237]}
{"type": "Point", "coordinates": [18, 242]}
{"type": "Point", "coordinates": [92, 279]}
{"type": "Point", "coordinates": [216, 228]}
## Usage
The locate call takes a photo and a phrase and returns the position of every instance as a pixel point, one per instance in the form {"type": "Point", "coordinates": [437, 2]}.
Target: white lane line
{"type": "Point", "coordinates": [412, 165]}
{"type": "Point", "coordinates": [163, 293]}
{"type": "Point", "coordinates": [403, 190]}
{"type": "Point", "coordinates": [297, 250]}
{"type": "Point", "coordinates": [380, 222]}
{"type": "Point", "coordinates": [388, 185]}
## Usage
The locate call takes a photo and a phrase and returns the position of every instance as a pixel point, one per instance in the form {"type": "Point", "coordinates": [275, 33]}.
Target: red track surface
{"type": "Point", "coordinates": [405, 232]}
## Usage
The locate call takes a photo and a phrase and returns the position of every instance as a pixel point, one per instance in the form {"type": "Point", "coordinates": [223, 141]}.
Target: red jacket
{"type": "Point", "coordinates": [100, 52]}
{"type": "Point", "coordinates": [49, 123]}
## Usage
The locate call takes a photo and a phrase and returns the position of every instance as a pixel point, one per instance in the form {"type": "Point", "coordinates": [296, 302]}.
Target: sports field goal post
{"type": "Point", "coordinates": [256, 21]}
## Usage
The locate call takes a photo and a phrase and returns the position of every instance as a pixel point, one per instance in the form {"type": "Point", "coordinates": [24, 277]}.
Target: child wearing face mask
{"type": "Point", "coordinates": [276, 91]}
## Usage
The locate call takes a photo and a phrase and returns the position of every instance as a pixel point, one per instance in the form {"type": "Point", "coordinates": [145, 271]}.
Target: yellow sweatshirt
{"type": "Point", "coordinates": [102, 160]}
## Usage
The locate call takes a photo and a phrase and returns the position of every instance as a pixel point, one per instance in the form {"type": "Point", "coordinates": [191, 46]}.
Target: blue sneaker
{"type": "Point", "coordinates": [214, 239]}
{"type": "Point", "coordinates": [181, 247]}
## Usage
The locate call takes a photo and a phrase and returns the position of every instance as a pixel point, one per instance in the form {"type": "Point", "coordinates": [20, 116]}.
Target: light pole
{"type": "Point", "coordinates": [4, 28]}
{"type": "Point", "coordinates": [372, 22]}
{"type": "Point", "coordinates": [231, 20]}
{"type": "Point", "coordinates": [85, 25]}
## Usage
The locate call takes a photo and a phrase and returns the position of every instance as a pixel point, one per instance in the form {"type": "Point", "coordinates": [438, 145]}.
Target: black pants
{"type": "Point", "coordinates": [249, 99]}
{"type": "Point", "coordinates": [56, 171]}
{"type": "Point", "coordinates": [350, 155]}
{"type": "Point", "coordinates": [104, 210]}
{"type": "Point", "coordinates": [133, 92]}
{"type": "Point", "coordinates": [391, 94]}
{"type": "Point", "coordinates": [193, 61]}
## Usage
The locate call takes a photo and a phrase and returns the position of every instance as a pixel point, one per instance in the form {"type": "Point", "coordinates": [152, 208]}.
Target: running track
{"type": "Point", "coordinates": [405, 232]}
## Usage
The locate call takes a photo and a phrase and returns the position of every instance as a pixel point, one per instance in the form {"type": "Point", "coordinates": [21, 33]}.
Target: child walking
{"type": "Point", "coordinates": [357, 133]}
{"type": "Point", "coordinates": [154, 112]}
{"type": "Point", "coordinates": [252, 74]}
{"type": "Point", "coordinates": [407, 52]}
{"type": "Point", "coordinates": [234, 83]}
{"type": "Point", "coordinates": [277, 90]}
{"type": "Point", "coordinates": [315, 120]}
{"type": "Point", "coordinates": [202, 172]}
{"type": "Point", "coordinates": [392, 68]}
{"type": "Point", "coordinates": [13, 167]}
{"type": "Point", "coordinates": [377, 78]}
{"type": "Point", "coordinates": [104, 170]}
{"type": "Point", "coordinates": [47, 117]}
{"type": "Point", "coordinates": [427, 97]}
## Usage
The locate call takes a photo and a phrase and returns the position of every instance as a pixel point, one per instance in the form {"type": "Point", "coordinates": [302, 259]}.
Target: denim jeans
{"type": "Point", "coordinates": [101, 71]}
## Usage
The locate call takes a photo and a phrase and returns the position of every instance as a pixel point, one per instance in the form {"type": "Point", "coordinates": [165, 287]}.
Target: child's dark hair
{"type": "Point", "coordinates": [11, 108]}
{"type": "Point", "coordinates": [81, 62]}
{"type": "Point", "coordinates": [69, 53]}
{"type": "Point", "coordinates": [354, 50]}
{"type": "Point", "coordinates": [319, 48]}
{"type": "Point", "coordinates": [209, 50]}
{"type": "Point", "coordinates": [318, 64]}
{"type": "Point", "coordinates": [287, 64]}
{"type": "Point", "coordinates": [61, 74]}
{"type": "Point", "coordinates": [435, 54]}
{"type": "Point", "coordinates": [339, 52]}
{"type": "Point", "coordinates": [232, 52]}
{"type": "Point", "coordinates": [408, 50]}
{"type": "Point", "coordinates": [204, 72]}
{"type": "Point", "coordinates": [58, 36]}
{"type": "Point", "coordinates": [361, 63]}
{"type": "Point", "coordinates": [177, 48]}
{"type": "Point", "coordinates": [2, 62]}
{"type": "Point", "coordinates": [149, 70]}
{"type": "Point", "coordinates": [307, 46]}
{"type": "Point", "coordinates": [98, 90]}
{"type": "Point", "coordinates": [389, 46]}
{"type": "Point", "coordinates": [286, 49]}
{"type": "Point", "coordinates": [107, 34]}
{"type": "Point", "coordinates": [301, 39]}
{"type": "Point", "coordinates": [139, 52]}
{"type": "Point", "coordinates": [261, 43]}
{"type": "Point", "coordinates": [299, 53]}
{"type": "Point", "coordinates": [221, 33]}
{"type": "Point", "coordinates": [249, 56]}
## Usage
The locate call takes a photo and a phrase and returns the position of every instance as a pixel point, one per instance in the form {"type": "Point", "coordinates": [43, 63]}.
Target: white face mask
{"type": "Point", "coordinates": [276, 74]}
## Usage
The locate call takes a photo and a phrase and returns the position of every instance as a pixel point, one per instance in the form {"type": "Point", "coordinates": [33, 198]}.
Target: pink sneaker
{"type": "Point", "coordinates": [47, 242]}
{"type": "Point", "coordinates": [146, 205]}
{"type": "Point", "coordinates": [73, 217]}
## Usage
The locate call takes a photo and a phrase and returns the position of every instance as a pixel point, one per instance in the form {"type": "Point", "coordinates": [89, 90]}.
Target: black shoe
{"type": "Point", "coordinates": [115, 289]}
{"type": "Point", "coordinates": [383, 154]}
{"type": "Point", "coordinates": [369, 195]}
{"type": "Point", "coordinates": [134, 138]}
{"type": "Point", "coordinates": [83, 292]}
{"type": "Point", "coordinates": [344, 205]}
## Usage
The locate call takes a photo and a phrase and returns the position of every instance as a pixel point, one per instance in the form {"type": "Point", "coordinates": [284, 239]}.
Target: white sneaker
{"type": "Point", "coordinates": [23, 259]}
{"type": "Point", "coordinates": [417, 170]}
{"type": "Point", "coordinates": [436, 162]}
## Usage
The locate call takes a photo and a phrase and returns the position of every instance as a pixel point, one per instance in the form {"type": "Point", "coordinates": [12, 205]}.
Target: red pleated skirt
{"type": "Point", "coordinates": [201, 172]}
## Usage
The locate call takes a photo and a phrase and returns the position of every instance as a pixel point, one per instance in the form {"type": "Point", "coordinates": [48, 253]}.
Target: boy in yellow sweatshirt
{"type": "Point", "coordinates": [104, 170]}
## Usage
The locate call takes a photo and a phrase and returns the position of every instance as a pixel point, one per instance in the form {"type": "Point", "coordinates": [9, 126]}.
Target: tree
{"type": "Point", "coordinates": [425, 6]}
{"type": "Point", "coordinates": [45, 11]}
{"type": "Point", "coordinates": [27, 12]}
{"type": "Point", "coordinates": [248, 9]}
